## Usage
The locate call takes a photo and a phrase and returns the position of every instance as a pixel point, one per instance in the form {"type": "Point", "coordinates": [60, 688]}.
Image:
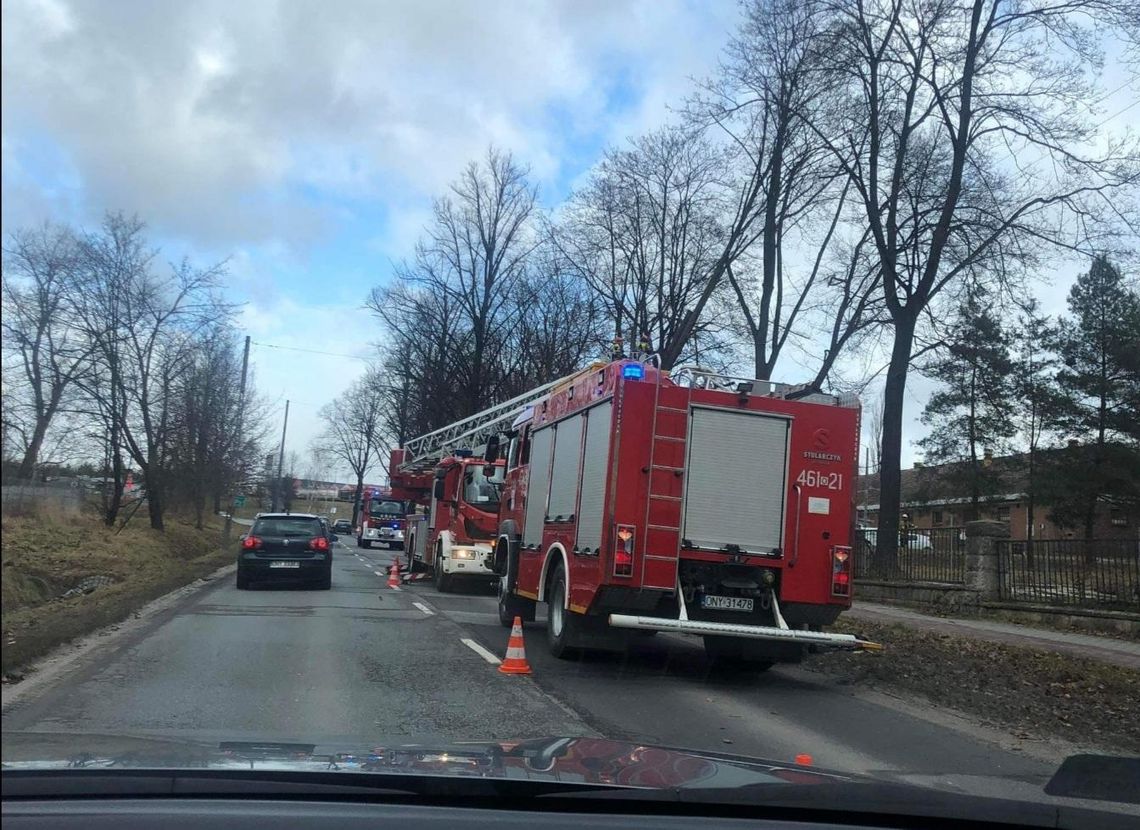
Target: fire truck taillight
{"type": "Point", "coordinates": [623, 550]}
{"type": "Point", "coordinates": [841, 572]}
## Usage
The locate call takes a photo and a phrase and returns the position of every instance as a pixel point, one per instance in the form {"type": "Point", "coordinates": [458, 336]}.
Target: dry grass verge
{"type": "Point", "coordinates": [46, 556]}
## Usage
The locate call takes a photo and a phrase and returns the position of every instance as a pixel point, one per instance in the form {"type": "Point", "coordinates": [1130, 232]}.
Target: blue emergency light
{"type": "Point", "coordinates": [634, 371]}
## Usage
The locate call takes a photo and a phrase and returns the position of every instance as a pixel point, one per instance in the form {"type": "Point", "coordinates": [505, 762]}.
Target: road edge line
{"type": "Point", "coordinates": [482, 652]}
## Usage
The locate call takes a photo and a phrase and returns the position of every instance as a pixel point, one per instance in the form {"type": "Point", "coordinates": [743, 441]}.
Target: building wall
{"type": "Point", "coordinates": [1108, 525]}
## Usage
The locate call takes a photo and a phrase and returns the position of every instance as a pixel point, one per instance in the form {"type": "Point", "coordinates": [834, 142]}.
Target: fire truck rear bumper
{"type": "Point", "coordinates": [822, 639]}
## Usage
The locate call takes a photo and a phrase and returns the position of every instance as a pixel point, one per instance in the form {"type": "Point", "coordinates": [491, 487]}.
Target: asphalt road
{"type": "Point", "coordinates": [364, 662]}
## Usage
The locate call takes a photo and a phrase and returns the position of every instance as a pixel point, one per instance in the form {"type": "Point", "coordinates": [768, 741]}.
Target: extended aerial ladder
{"type": "Point", "coordinates": [422, 453]}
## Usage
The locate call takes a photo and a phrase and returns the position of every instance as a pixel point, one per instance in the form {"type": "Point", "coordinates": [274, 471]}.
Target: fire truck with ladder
{"type": "Point", "coordinates": [634, 500]}
{"type": "Point", "coordinates": [452, 535]}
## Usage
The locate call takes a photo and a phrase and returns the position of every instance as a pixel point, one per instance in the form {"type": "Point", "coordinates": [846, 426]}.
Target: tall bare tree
{"type": "Point", "coordinates": [966, 131]}
{"type": "Point", "coordinates": [40, 266]}
{"type": "Point", "coordinates": [644, 234]}
{"type": "Point", "coordinates": [758, 104]}
{"type": "Point", "coordinates": [354, 430]}
{"type": "Point", "coordinates": [142, 322]}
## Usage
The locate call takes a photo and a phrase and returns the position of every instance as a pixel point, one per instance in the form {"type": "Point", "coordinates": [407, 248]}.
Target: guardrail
{"type": "Point", "coordinates": [1098, 573]}
{"type": "Point", "coordinates": [924, 555]}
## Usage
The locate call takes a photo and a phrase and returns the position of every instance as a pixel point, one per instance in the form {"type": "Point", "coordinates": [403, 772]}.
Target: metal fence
{"type": "Point", "coordinates": [927, 555]}
{"type": "Point", "coordinates": [32, 499]}
{"type": "Point", "coordinates": [1101, 573]}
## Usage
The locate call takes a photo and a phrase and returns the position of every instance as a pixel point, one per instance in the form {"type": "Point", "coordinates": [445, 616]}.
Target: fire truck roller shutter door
{"type": "Point", "coordinates": [737, 472]}
{"type": "Point", "coordinates": [539, 485]}
{"type": "Point", "coordinates": [594, 470]}
{"type": "Point", "coordinates": [564, 477]}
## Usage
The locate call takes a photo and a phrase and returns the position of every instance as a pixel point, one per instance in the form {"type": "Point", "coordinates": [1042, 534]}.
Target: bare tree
{"type": "Point", "coordinates": [965, 131]}
{"type": "Point", "coordinates": [39, 271]}
{"type": "Point", "coordinates": [758, 104]}
{"type": "Point", "coordinates": [354, 429]}
{"type": "Point", "coordinates": [142, 325]}
{"type": "Point", "coordinates": [644, 235]}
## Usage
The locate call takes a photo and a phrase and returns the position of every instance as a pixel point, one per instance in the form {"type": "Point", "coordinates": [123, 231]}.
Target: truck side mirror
{"type": "Point", "coordinates": [491, 454]}
{"type": "Point", "coordinates": [438, 490]}
{"type": "Point", "coordinates": [440, 474]}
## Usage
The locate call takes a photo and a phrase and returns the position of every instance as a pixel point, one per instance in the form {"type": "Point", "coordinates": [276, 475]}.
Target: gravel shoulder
{"type": "Point", "coordinates": [1031, 693]}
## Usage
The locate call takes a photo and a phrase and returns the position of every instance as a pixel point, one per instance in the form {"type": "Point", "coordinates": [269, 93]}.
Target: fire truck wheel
{"type": "Point", "coordinates": [506, 618]}
{"type": "Point", "coordinates": [561, 624]}
{"type": "Point", "coordinates": [442, 580]}
{"type": "Point", "coordinates": [366, 543]}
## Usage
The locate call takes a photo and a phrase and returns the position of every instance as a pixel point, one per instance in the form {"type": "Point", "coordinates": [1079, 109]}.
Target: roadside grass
{"type": "Point", "coordinates": [1031, 693]}
{"type": "Point", "coordinates": [44, 556]}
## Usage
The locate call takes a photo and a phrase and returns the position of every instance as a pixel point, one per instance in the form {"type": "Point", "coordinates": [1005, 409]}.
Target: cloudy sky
{"type": "Point", "coordinates": [303, 141]}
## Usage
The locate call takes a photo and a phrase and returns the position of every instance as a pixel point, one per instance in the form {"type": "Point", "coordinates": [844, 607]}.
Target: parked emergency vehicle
{"type": "Point", "coordinates": [382, 519]}
{"type": "Point", "coordinates": [635, 500]}
{"type": "Point", "coordinates": [452, 534]}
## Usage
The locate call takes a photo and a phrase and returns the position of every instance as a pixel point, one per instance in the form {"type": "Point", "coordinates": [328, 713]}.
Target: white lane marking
{"type": "Point", "coordinates": [423, 608]}
{"type": "Point", "coordinates": [378, 573]}
{"type": "Point", "coordinates": [482, 652]}
{"type": "Point", "coordinates": [394, 588]}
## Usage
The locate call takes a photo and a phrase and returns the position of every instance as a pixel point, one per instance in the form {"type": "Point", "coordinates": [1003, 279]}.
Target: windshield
{"type": "Point", "coordinates": [384, 507]}
{"type": "Point", "coordinates": [481, 490]}
{"type": "Point", "coordinates": [799, 338]}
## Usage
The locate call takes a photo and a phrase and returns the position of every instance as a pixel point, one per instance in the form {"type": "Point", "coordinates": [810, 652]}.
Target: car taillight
{"type": "Point", "coordinates": [841, 572]}
{"type": "Point", "coordinates": [250, 543]}
{"type": "Point", "coordinates": [319, 543]}
{"type": "Point", "coordinates": [623, 550]}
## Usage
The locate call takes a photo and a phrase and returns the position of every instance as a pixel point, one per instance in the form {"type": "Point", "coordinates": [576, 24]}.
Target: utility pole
{"type": "Point", "coordinates": [237, 435]}
{"type": "Point", "coordinates": [281, 459]}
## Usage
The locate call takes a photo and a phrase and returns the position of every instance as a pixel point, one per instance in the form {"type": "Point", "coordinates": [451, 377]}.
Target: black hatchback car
{"type": "Point", "coordinates": [342, 526]}
{"type": "Point", "coordinates": [294, 547]}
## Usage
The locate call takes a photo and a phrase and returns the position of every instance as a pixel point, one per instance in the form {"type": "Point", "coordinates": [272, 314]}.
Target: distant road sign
{"type": "Point", "coordinates": [332, 509]}
{"type": "Point", "coordinates": [239, 501]}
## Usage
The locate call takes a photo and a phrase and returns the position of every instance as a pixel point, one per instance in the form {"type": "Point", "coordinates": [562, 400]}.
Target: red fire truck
{"type": "Point", "coordinates": [453, 534]}
{"type": "Point", "coordinates": [382, 519]}
{"type": "Point", "coordinates": [638, 500]}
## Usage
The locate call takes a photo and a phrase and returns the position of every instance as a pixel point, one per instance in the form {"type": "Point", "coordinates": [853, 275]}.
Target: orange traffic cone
{"type": "Point", "coordinates": [515, 662]}
{"type": "Point", "coordinates": [393, 577]}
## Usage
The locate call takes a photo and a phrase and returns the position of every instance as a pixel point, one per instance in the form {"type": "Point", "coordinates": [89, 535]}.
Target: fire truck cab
{"type": "Point", "coordinates": [454, 537]}
{"type": "Point", "coordinates": [381, 519]}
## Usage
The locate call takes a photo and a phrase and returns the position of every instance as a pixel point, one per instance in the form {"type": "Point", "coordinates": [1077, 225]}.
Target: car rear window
{"type": "Point", "coordinates": [286, 526]}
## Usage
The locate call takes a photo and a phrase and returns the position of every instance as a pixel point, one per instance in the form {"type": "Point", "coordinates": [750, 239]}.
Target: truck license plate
{"type": "Point", "coordinates": [284, 564]}
{"type": "Point", "coordinates": [726, 603]}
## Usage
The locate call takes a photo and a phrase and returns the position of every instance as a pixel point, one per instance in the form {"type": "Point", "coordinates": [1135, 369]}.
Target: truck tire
{"type": "Point", "coordinates": [366, 543]}
{"type": "Point", "coordinates": [442, 580]}
{"type": "Point", "coordinates": [511, 605]}
{"type": "Point", "coordinates": [561, 623]}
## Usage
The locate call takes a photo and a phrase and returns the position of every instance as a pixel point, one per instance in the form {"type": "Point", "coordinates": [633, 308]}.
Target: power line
{"type": "Point", "coordinates": [309, 351]}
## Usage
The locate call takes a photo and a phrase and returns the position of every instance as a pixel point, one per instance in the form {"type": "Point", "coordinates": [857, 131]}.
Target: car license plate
{"type": "Point", "coordinates": [727, 603]}
{"type": "Point", "coordinates": [284, 564]}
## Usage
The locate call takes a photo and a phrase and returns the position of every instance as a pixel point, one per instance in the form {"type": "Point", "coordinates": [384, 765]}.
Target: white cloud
{"type": "Point", "coordinates": [206, 118]}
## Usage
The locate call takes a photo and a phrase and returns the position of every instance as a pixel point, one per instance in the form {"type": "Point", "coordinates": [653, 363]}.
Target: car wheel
{"type": "Point", "coordinates": [242, 579]}
{"type": "Point", "coordinates": [561, 623]}
{"type": "Point", "coordinates": [325, 582]}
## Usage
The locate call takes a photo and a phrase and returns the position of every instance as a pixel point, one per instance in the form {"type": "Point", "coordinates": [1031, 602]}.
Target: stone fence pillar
{"type": "Point", "coordinates": [982, 557]}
